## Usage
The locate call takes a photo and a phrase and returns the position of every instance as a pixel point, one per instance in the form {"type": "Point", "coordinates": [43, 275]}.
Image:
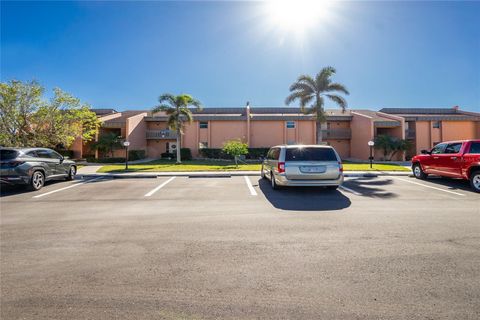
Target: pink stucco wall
{"type": "Point", "coordinates": [362, 132]}
{"type": "Point", "coordinates": [458, 130]}
{"type": "Point", "coordinates": [423, 140]}
{"type": "Point", "coordinates": [306, 132]}
{"type": "Point", "coordinates": [342, 147]}
{"type": "Point", "coordinates": [222, 131]}
{"type": "Point", "coordinates": [136, 130]}
{"type": "Point", "coordinates": [266, 133]}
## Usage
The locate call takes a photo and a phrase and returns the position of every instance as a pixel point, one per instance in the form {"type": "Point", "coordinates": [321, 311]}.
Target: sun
{"type": "Point", "coordinates": [296, 16]}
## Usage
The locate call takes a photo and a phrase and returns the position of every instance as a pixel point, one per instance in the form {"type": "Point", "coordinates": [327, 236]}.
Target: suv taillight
{"type": "Point", "coordinates": [281, 167]}
{"type": "Point", "coordinates": [340, 165]}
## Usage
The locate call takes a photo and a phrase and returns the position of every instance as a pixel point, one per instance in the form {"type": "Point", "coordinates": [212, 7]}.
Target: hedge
{"type": "Point", "coordinates": [214, 153]}
{"type": "Point", "coordinates": [136, 155]}
{"type": "Point", "coordinates": [185, 154]}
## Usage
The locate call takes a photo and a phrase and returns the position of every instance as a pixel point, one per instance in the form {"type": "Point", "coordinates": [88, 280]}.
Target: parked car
{"type": "Point", "coordinates": [303, 165]}
{"type": "Point", "coordinates": [453, 159]}
{"type": "Point", "coordinates": [34, 166]}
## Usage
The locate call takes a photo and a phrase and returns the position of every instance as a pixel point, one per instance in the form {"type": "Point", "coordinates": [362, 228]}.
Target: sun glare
{"type": "Point", "coordinates": [296, 16]}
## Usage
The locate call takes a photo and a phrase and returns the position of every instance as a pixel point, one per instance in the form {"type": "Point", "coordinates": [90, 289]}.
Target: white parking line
{"type": "Point", "coordinates": [69, 187]}
{"type": "Point", "coordinates": [159, 187]}
{"type": "Point", "coordinates": [427, 186]}
{"type": "Point", "coordinates": [250, 187]}
{"type": "Point", "coordinates": [350, 190]}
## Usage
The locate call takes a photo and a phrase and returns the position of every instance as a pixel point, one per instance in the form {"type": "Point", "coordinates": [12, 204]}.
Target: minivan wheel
{"type": "Point", "coordinates": [37, 181]}
{"type": "Point", "coordinates": [273, 183]}
{"type": "Point", "coordinates": [418, 172]}
{"type": "Point", "coordinates": [475, 181]}
{"type": "Point", "coordinates": [262, 173]}
{"type": "Point", "coordinates": [71, 173]}
{"type": "Point", "coordinates": [333, 188]}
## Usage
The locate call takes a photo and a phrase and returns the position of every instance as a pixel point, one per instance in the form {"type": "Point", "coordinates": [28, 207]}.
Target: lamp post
{"type": "Point", "coordinates": [126, 144]}
{"type": "Point", "coordinates": [371, 144]}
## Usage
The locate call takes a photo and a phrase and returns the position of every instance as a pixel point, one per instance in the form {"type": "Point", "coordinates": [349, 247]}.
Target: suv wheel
{"type": "Point", "coordinates": [37, 181]}
{"type": "Point", "coordinates": [273, 183]}
{"type": "Point", "coordinates": [475, 181]}
{"type": "Point", "coordinates": [71, 173]}
{"type": "Point", "coordinates": [418, 172]}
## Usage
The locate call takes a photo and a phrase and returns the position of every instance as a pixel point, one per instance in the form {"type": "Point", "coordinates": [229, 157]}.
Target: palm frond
{"type": "Point", "coordinates": [302, 86]}
{"type": "Point", "coordinates": [186, 115]}
{"type": "Point", "coordinates": [339, 100]}
{"type": "Point", "coordinates": [296, 95]}
{"type": "Point", "coordinates": [307, 80]}
{"type": "Point", "coordinates": [167, 97]}
{"type": "Point", "coordinates": [337, 87]}
{"type": "Point", "coordinates": [161, 107]}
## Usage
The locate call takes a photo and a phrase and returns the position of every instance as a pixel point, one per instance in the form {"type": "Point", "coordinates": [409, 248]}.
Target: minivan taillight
{"type": "Point", "coordinates": [340, 165]}
{"type": "Point", "coordinates": [281, 167]}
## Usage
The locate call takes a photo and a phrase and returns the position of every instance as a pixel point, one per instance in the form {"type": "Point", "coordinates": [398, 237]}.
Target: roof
{"type": "Point", "coordinates": [420, 110]}
{"type": "Point", "coordinates": [102, 112]}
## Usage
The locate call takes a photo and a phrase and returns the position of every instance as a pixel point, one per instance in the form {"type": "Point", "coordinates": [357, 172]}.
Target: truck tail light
{"type": "Point", "coordinates": [340, 166]}
{"type": "Point", "coordinates": [281, 167]}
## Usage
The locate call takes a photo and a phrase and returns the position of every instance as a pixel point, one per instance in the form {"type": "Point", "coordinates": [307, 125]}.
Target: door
{"type": "Point", "coordinates": [452, 160]}
{"type": "Point", "coordinates": [432, 162]}
{"type": "Point", "coordinates": [49, 161]}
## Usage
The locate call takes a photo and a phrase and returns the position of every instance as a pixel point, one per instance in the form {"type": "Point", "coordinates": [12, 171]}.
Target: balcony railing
{"type": "Point", "coordinates": [409, 134]}
{"type": "Point", "coordinates": [114, 124]}
{"type": "Point", "coordinates": [161, 134]}
{"type": "Point", "coordinates": [344, 133]}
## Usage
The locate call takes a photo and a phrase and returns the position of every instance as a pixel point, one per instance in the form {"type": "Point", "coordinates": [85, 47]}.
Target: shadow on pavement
{"type": "Point", "coordinates": [371, 187]}
{"type": "Point", "coordinates": [451, 184]}
{"type": "Point", "coordinates": [304, 198]}
{"type": "Point", "coordinates": [12, 190]}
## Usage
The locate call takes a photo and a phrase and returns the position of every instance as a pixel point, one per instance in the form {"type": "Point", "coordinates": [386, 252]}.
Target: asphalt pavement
{"type": "Point", "coordinates": [232, 248]}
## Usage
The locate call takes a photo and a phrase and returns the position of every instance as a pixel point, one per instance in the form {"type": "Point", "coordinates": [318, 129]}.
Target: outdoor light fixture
{"type": "Point", "coordinates": [126, 144]}
{"type": "Point", "coordinates": [371, 144]}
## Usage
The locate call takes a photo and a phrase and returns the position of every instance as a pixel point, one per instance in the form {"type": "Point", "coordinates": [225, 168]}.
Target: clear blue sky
{"type": "Point", "coordinates": [124, 54]}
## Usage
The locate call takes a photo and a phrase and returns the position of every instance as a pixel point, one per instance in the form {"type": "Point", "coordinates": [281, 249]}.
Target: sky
{"type": "Point", "coordinates": [123, 55]}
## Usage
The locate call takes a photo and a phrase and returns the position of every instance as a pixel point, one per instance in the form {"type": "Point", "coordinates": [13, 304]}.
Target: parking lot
{"type": "Point", "coordinates": [231, 247]}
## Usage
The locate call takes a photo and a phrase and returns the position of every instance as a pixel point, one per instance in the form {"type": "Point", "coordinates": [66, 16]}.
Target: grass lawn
{"type": "Point", "coordinates": [209, 165]}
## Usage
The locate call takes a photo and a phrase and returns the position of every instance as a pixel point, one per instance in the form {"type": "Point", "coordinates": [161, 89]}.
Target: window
{"type": "Point", "coordinates": [310, 154]}
{"type": "Point", "coordinates": [203, 145]}
{"type": "Point", "coordinates": [453, 147]}
{"type": "Point", "coordinates": [273, 154]}
{"type": "Point", "coordinates": [7, 154]}
{"type": "Point", "coordinates": [290, 124]}
{"type": "Point", "coordinates": [436, 124]}
{"type": "Point", "coordinates": [474, 147]}
{"type": "Point", "coordinates": [439, 148]}
{"type": "Point", "coordinates": [203, 124]}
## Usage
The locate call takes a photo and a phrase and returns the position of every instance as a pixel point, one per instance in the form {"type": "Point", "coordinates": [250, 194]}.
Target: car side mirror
{"type": "Point", "coordinates": [61, 159]}
{"type": "Point", "coordinates": [425, 152]}
{"type": "Point", "coordinates": [66, 157]}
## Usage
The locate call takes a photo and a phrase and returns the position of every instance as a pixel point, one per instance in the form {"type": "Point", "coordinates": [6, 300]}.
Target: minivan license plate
{"type": "Point", "coordinates": [313, 169]}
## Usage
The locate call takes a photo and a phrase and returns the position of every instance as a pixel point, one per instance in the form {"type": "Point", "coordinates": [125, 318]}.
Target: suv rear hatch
{"type": "Point", "coordinates": [311, 163]}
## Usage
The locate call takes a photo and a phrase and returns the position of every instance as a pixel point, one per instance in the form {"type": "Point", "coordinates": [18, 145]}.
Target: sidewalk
{"type": "Point", "coordinates": [207, 174]}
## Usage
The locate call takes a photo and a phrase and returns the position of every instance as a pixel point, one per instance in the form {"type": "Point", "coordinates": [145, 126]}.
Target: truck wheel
{"type": "Point", "coordinates": [37, 181]}
{"type": "Point", "coordinates": [475, 181]}
{"type": "Point", "coordinates": [418, 172]}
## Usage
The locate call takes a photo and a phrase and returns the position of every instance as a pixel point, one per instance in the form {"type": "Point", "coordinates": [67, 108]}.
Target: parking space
{"type": "Point", "coordinates": [180, 247]}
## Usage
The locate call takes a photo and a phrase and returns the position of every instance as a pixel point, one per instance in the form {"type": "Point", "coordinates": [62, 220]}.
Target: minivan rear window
{"type": "Point", "coordinates": [6, 154]}
{"type": "Point", "coordinates": [310, 154]}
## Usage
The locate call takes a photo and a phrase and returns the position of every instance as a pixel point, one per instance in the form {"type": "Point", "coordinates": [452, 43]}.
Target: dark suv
{"type": "Point", "coordinates": [34, 166]}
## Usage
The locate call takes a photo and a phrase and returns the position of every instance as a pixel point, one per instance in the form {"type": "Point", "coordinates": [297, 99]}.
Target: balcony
{"type": "Point", "coordinates": [161, 134]}
{"type": "Point", "coordinates": [344, 133]}
{"type": "Point", "coordinates": [114, 124]}
{"type": "Point", "coordinates": [409, 134]}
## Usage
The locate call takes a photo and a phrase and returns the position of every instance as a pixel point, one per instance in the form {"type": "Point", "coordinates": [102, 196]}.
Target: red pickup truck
{"type": "Point", "coordinates": [453, 159]}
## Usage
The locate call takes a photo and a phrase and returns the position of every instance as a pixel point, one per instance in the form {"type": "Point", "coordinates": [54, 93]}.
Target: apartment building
{"type": "Point", "coordinates": [349, 131]}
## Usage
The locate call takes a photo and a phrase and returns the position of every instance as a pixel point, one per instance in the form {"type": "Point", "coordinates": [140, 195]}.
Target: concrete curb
{"type": "Point", "coordinates": [223, 174]}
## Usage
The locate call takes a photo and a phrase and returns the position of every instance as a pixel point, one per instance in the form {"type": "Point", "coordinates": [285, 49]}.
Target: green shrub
{"type": "Point", "coordinates": [136, 155]}
{"type": "Point", "coordinates": [167, 155]}
{"type": "Point", "coordinates": [213, 153]}
{"type": "Point", "coordinates": [186, 154]}
{"type": "Point", "coordinates": [255, 153]}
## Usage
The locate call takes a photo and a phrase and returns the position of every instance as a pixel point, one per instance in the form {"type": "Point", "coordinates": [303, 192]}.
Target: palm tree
{"type": "Point", "coordinates": [311, 94]}
{"type": "Point", "coordinates": [178, 112]}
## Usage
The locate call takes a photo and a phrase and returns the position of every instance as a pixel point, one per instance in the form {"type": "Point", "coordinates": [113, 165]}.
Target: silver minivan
{"type": "Point", "coordinates": [303, 165]}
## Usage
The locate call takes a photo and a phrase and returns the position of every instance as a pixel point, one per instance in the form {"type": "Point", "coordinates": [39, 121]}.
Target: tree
{"type": "Point", "coordinates": [235, 148]}
{"type": "Point", "coordinates": [311, 94]}
{"type": "Point", "coordinates": [178, 112]}
{"type": "Point", "coordinates": [29, 120]}
{"type": "Point", "coordinates": [391, 145]}
{"type": "Point", "coordinates": [108, 143]}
